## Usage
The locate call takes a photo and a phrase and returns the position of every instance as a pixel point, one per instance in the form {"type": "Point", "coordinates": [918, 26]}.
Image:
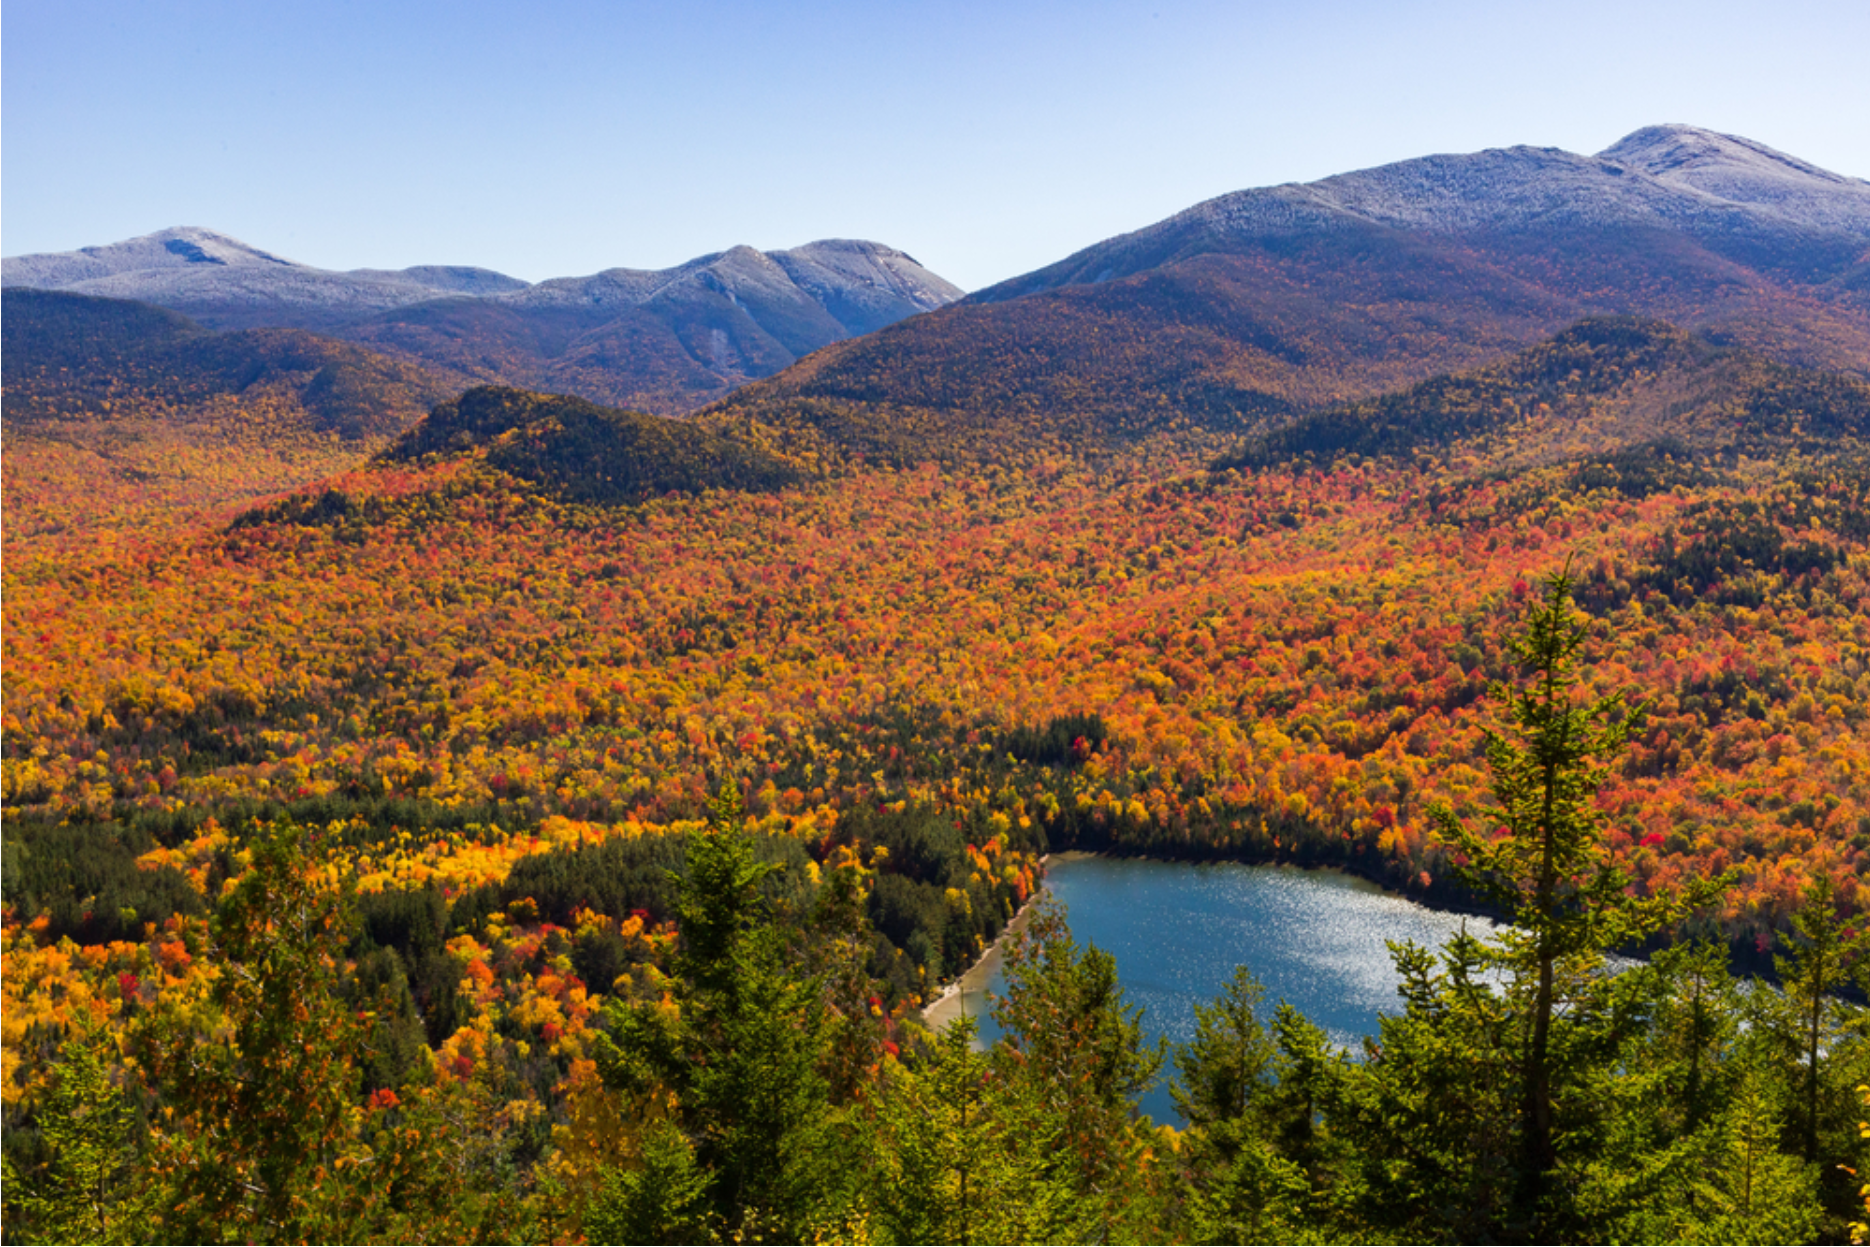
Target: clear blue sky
{"type": "Point", "coordinates": [985, 138]}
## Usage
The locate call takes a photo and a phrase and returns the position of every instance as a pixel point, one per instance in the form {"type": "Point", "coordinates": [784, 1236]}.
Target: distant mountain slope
{"type": "Point", "coordinates": [174, 250]}
{"type": "Point", "coordinates": [226, 284]}
{"type": "Point", "coordinates": [1737, 199]}
{"type": "Point", "coordinates": [667, 341]}
{"type": "Point", "coordinates": [1600, 387]}
{"type": "Point", "coordinates": [1294, 298]}
{"type": "Point", "coordinates": [74, 356]}
{"type": "Point", "coordinates": [127, 421]}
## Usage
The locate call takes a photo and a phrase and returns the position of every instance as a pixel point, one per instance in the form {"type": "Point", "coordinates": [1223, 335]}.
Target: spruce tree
{"type": "Point", "coordinates": [90, 1188]}
{"type": "Point", "coordinates": [1228, 1065]}
{"type": "Point", "coordinates": [1817, 964]}
{"type": "Point", "coordinates": [757, 1149]}
{"type": "Point", "coordinates": [1543, 855]}
{"type": "Point", "coordinates": [959, 1155]}
{"type": "Point", "coordinates": [1073, 1048]}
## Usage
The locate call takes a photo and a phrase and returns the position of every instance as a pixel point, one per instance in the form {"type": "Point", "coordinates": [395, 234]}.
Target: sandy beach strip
{"type": "Point", "coordinates": [946, 1007]}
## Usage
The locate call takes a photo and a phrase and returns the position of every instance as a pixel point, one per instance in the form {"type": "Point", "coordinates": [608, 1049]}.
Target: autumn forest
{"type": "Point", "coordinates": [442, 815]}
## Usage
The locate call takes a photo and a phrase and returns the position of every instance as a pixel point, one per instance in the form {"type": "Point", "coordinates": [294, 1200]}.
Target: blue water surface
{"type": "Point", "coordinates": [1314, 937]}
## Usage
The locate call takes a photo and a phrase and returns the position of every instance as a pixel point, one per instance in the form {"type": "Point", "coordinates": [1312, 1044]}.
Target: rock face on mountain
{"type": "Point", "coordinates": [1244, 310]}
{"type": "Point", "coordinates": [664, 341]}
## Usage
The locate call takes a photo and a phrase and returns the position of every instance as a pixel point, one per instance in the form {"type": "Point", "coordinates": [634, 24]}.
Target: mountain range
{"type": "Point", "coordinates": [661, 341]}
{"type": "Point", "coordinates": [1247, 309]}
{"type": "Point", "coordinates": [1233, 317]}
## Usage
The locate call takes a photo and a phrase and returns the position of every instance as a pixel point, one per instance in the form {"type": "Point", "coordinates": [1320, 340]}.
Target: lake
{"type": "Point", "coordinates": [1178, 930]}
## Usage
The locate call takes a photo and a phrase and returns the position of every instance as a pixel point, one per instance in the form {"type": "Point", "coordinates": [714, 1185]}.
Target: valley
{"type": "Point", "coordinates": [1207, 544]}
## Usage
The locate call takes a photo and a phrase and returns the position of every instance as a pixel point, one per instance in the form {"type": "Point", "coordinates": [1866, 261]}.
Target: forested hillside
{"type": "Point", "coordinates": [581, 452]}
{"type": "Point", "coordinates": [125, 420]}
{"type": "Point", "coordinates": [1607, 382]}
{"type": "Point", "coordinates": [448, 813]}
{"type": "Point", "coordinates": [71, 356]}
{"type": "Point", "coordinates": [325, 1060]}
{"type": "Point", "coordinates": [1281, 662]}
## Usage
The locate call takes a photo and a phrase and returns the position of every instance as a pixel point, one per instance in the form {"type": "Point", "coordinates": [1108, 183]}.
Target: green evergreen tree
{"type": "Point", "coordinates": [1227, 1067]}
{"type": "Point", "coordinates": [661, 1199]}
{"type": "Point", "coordinates": [741, 1059]}
{"type": "Point", "coordinates": [1821, 1044]}
{"type": "Point", "coordinates": [1693, 1035]}
{"type": "Point", "coordinates": [1239, 1188]}
{"type": "Point", "coordinates": [1074, 1045]}
{"type": "Point", "coordinates": [1567, 899]}
{"type": "Point", "coordinates": [1751, 1191]}
{"type": "Point", "coordinates": [1729, 1181]}
{"type": "Point", "coordinates": [1818, 963]}
{"type": "Point", "coordinates": [959, 1155]}
{"type": "Point", "coordinates": [1660, 1107]}
{"type": "Point", "coordinates": [90, 1188]}
{"type": "Point", "coordinates": [1431, 1114]}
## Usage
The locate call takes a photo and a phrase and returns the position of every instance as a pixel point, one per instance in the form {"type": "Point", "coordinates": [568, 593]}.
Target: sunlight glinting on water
{"type": "Point", "coordinates": [1315, 938]}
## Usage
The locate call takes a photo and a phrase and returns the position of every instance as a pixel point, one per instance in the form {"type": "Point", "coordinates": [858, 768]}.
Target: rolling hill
{"type": "Point", "coordinates": [123, 418]}
{"type": "Point", "coordinates": [1606, 384]}
{"type": "Point", "coordinates": [72, 356]}
{"type": "Point", "coordinates": [586, 453]}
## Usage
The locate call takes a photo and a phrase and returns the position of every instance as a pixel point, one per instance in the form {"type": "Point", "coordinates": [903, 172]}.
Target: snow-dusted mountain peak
{"type": "Point", "coordinates": [857, 263]}
{"type": "Point", "coordinates": [1731, 195]}
{"type": "Point", "coordinates": [1736, 170]}
{"type": "Point", "coordinates": [1678, 153]}
{"type": "Point", "coordinates": [667, 340]}
{"type": "Point", "coordinates": [180, 247]}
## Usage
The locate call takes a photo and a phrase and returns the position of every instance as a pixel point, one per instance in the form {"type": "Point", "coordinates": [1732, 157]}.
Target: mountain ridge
{"type": "Point", "coordinates": [1610, 384]}
{"type": "Point", "coordinates": [666, 340]}
{"type": "Point", "coordinates": [1519, 185]}
{"type": "Point", "coordinates": [70, 356]}
{"type": "Point", "coordinates": [1264, 304]}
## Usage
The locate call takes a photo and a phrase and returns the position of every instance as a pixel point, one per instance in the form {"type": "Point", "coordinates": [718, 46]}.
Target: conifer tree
{"type": "Point", "coordinates": [1429, 1114]}
{"type": "Point", "coordinates": [1228, 1065]}
{"type": "Point", "coordinates": [741, 1058]}
{"type": "Point", "coordinates": [1239, 1187]}
{"type": "Point", "coordinates": [1074, 1044]}
{"type": "Point", "coordinates": [1816, 966]}
{"type": "Point", "coordinates": [90, 1189]}
{"type": "Point", "coordinates": [1547, 864]}
{"type": "Point", "coordinates": [959, 1155]}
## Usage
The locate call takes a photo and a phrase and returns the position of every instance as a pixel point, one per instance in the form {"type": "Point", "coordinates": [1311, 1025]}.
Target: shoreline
{"type": "Point", "coordinates": [946, 1007]}
{"type": "Point", "coordinates": [1744, 959]}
